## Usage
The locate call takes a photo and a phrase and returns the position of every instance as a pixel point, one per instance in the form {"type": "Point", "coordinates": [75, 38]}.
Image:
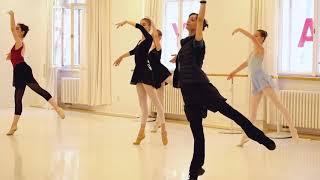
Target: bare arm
{"type": "Point", "coordinates": [124, 23]}
{"type": "Point", "coordinates": [202, 12]}
{"type": "Point", "coordinates": [250, 36]}
{"type": "Point", "coordinates": [8, 58]}
{"type": "Point", "coordinates": [118, 61]}
{"type": "Point", "coordinates": [17, 39]}
{"type": "Point", "coordinates": [238, 69]}
{"type": "Point", "coordinates": [155, 37]}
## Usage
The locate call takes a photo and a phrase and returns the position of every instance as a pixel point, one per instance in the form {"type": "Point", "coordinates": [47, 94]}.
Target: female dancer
{"type": "Point", "coordinates": [261, 82]}
{"type": "Point", "coordinates": [22, 74]}
{"type": "Point", "coordinates": [161, 74]}
{"type": "Point", "coordinates": [143, 78]}
{"type": "Point", "coordinates": [200, 95]}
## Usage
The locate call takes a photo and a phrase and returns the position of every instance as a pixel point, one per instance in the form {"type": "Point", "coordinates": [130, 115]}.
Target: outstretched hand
{"type": "Point", "coordinates": [236, 31]}
{"type": "Point", "coordinates": [121, 24]}
{"type": "Point", "coordinates": [11, 13]}
{"type": "Point", "coordinates": [117, 62]}
{"type": "Point", "coordinates": [230, 76]}
{"type": "Point", "coordinates": [174, 59]}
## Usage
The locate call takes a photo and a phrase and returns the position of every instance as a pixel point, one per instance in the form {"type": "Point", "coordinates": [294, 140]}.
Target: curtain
{"type": "Point", "coordinates": [154, 10]}
{"type": "Point", "coordinates": [50, 72]}
{"type": "Point", "coordinates": [95, 71]}
{"type": "Point", "coordinates": [265, 16]}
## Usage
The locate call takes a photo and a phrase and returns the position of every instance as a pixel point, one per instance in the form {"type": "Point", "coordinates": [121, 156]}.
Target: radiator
{"type": "Point", "coordinates": [173, 102]}
{"type": "Point", "coordinates": [70, 90]}
{"type": "Point", "coordinates": [304, 107]}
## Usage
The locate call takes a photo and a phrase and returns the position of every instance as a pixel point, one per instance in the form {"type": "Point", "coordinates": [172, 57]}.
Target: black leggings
{"type": "Point", "coordinates": [19, 92]}
{"type": "Point", "coordinates": [196, 112]}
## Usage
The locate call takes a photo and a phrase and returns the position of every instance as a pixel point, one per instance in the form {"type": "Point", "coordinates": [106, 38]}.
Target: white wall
{"type": "Point", "coordinates": [31, 13]}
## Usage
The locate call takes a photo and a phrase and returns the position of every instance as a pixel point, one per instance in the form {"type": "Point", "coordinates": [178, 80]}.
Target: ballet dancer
{"type": "Point", "coordinates": [161, 74]}
{"type": "Point", "coordinates": [262, 84]}
{"type": "Point", "coordinates": [22, 73]}
{"type": "Point", "coordinates": [142, 78]}
{"type": "Point", "coordinates": [200, 95]}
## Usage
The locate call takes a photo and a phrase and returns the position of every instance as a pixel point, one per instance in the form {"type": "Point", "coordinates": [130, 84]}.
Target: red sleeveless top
{"type": "Point", "coordinates": [16, 56]}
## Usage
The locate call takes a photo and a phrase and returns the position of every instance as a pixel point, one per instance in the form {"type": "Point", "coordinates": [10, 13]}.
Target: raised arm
{"type": "Point", "coordinates": [17, 39]}
{"type": "Point", "coordinates": [200, 20]}
{"type": "Point", "coordinates": [250, 36]}
{"type": "Point", "coordinates": [155, 36]}
{"type": "Point", "coordinates": [137, 25]}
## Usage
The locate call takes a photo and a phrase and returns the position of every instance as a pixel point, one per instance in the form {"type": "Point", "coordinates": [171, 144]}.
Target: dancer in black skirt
{"type": "Point", "coordinates": [200, 95]}
{"type": "Point", "coordinates": [143, 78]}
{"type": "Point", "coordinates": [161, 74]}
{"type": "Point", "coordinates": [22, 74]}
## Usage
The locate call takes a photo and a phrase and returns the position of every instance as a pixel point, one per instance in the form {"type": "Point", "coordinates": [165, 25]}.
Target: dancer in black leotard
{"type": "Point", "coordinates": [161, 74]}
{"type": "Point", "coordinates": [22, 74]}
{"type": "Point", "coordinates": [200, 95]}
{"type": "Point", "coordinates": [143, 78]}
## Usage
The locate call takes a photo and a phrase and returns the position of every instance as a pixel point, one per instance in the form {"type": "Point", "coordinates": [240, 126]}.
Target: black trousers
{"type": "Point", "coordinates": [200, 98]}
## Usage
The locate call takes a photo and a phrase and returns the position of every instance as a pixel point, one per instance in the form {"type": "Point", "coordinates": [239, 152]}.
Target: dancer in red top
{"type": "Point", "coordinates": [22, 74]}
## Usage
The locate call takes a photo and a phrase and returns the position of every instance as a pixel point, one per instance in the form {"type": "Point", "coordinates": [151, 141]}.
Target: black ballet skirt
{"type": "Point", "coordinates": [160, 72]}
{"type": "Point", "coordinates": [22, 75]}
{"type": "Point", "coordinates": [142, 72]}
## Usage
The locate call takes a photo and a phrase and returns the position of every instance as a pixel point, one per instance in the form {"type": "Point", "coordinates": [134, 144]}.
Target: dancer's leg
{"type": "Point", "coordinates": [18, 95]}
{"type": "Point", "coordinates": [270, 93]}
{"type": "Point", "coordinates": [142, 96]}
{"type": "Point", "coordinates": [43, 93]}
{"type": "Point", "coordinates": [254, 104]}
{"type": "Point", "coordinates": [151, 91]}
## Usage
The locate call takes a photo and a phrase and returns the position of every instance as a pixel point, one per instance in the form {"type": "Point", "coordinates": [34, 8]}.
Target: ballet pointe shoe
{"type": "Point", "coordinates": [139, 139]}
{"type": "Point", "coordinates": [155, 128]}
{"type": "Point", "coordinates": [60, 112]}
{"type": "Point", "coordinates": [243, 141]}
{"type": "Point", "coordinates": [294, 134]}
{"type": "Point", "coordinates": [141, 135]}
{"type": "Point", "coordinates": [164, 135]}
{"type": "Point", "coordinates": [12, 131]}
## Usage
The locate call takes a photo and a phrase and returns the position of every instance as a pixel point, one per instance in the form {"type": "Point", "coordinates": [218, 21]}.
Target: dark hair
{"type": "Point", "coordinates": [263, 34]}
{"type": "Point", "coordinates": [24, 28]}
{"type": "Point", "coordinates": [159, 32]}
{"type": "Point", "coordinates": [147, 20]}
{"type": "Point", "coordinates": [205, 22]}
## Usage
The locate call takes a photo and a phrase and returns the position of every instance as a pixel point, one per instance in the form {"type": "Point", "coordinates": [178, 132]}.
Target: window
{"type": "Point", "coordinates": [299, 40]}
{"type": "Point", "coordinates": [68, 23]}
{"type": "Point", "coordinates": [175, 18]}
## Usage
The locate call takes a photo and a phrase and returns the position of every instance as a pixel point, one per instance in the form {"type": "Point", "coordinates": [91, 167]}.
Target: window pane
{"type": "Point", "coordinates": [296, 37]}
{"type": "Point", "coordinates": [57, 36]}
{"type": "Point", "coordinates": [189, 6]}
{"type": "Point", "coordinates": [66, 37]}
{"type": "Point", "coordinates": [77, 25]}
{"type": "Point", "coordinates": [170, 35]}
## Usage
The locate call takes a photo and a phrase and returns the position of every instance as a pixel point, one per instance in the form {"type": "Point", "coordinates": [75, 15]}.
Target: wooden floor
{"type": "Point", "coordinates": [93, 147]}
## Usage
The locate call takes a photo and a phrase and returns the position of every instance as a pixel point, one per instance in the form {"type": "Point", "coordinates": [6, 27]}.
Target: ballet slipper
{"type": "Point", "coordinates": [12, 131]}
{"type": "Point", "coordinates": [155, 127]}
{"type": "Point", "coordinates": [243, 141]}
{"type": "Point", "coordinates": [164, 135]}
{"type": "Point", "coordinates": [60, 112]}
{"type": "Point", "coordinates": [139, 139]}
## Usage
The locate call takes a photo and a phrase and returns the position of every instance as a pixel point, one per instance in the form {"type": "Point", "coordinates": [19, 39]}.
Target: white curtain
{"type": "Point", "coordinates": [154, 10]}
{"type": "Point", "coordinates": [265, 16]}
{"type": "Point", "coordinates": [95, 74]}
{"type": "Point", "coordinates": [50, 72]}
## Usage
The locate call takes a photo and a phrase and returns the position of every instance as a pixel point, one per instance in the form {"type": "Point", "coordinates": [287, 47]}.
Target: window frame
{"type": "Point", "coordinates": [316, 49]}
{"type": "Point", "coordinates": [72, 7]}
